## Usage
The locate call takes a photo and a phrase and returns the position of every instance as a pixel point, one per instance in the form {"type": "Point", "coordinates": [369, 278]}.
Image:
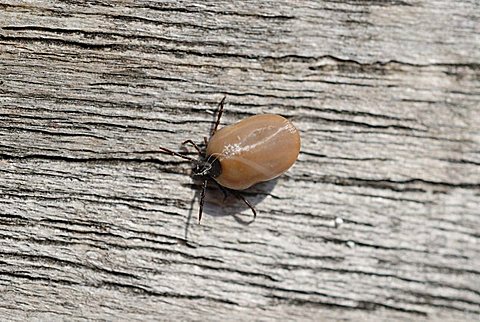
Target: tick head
{"type": "Point", "coordinates": [210, 166]}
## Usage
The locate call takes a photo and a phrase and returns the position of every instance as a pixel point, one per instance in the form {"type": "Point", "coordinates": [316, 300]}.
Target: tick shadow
{"type": "Point", "coordinates": [216, 206]}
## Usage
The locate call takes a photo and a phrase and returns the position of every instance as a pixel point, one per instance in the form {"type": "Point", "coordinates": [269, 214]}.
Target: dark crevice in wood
{"type": "Point", "coordinates": [318, 155]}
{"type": "Point", "coordinates": [334, 300]}
{"type": "Point", "coordinates": [146, 291]}
{"type": "Point", "coordinates": [221, 13]}
{"type": "Point", "coordinates": [428, 298]}
{"type": "Point", "coordinates": [105, 239]}
{"type": "Point", "coordinates": [55, 261]}
{"type": "Point", "coordinates": [124, 18]}
{"type": "Point", "coordinates": [290, 58]}
{"type": "Point", "coordinates": [85, 113]}
{"type": "Point", "coordinates": [410, 185]}
{"type": "Point", "coordinates": [462, 161]}
{"type": "Point", "coordinates": [53, 133]}
{"type": "Point", "coordinates": [113, 284]}
{"type": "Point", "coordinates": [356, 305]}
{"type": "Point", "coordinates": [103, 35]}
{"type": "Point", "coordinates": [106, 159]}
{"type": "Point", "coordinates": [95, 198]}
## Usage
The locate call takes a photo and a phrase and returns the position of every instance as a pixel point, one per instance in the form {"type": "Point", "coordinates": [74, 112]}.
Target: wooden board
{"type": "Point", "coordinates": [378, 219]}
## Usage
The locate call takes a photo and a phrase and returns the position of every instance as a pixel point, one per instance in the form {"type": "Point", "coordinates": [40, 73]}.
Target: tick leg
{"type": "Point", "coordinates": [239, 196]}
{"type": "Point", "coordinates": [220, 112]}
{"type": "Point", "coordinates": [202, 200]}
{"type": "Point", "coordinates": [167, 151]}
{"type": "Point", "coordinates": [194, 145]}
{"type": "Point", "coordinates": [205, 139]}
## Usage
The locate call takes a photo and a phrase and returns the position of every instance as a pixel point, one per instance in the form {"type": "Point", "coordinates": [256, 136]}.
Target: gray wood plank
{"type": "Point", "coordinates": [378, 219]}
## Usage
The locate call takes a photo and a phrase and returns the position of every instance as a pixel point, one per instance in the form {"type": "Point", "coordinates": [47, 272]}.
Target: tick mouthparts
{"type": "Point", "coordinates": [201, 168]}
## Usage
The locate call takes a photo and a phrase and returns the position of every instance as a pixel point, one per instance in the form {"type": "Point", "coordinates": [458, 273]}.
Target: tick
{"type": "Point", "coordinates": [256, 149]}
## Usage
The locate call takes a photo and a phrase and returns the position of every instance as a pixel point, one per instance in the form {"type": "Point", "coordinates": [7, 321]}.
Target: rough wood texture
{"type": "Point", "coordinates": [96, 224]}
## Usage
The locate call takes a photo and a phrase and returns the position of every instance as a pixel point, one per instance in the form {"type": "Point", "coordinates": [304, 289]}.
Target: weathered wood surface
{"type": "Point", "coordinates": [96, 224]}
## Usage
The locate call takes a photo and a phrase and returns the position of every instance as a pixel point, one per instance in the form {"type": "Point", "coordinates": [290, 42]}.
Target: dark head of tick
{"type": "Point", "coordinates": [207, 167]}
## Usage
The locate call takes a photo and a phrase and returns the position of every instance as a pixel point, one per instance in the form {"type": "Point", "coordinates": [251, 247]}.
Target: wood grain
{"type": "Point", "coordinates": [378, 220]}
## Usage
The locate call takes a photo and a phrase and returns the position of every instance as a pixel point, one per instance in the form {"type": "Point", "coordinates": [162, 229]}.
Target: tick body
{"type": "Point", "coordinates": [256, 149]}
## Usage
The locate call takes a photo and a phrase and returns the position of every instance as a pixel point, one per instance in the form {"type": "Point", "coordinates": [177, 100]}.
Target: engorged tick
{"type": "Point", "coordinates": [256, 149]}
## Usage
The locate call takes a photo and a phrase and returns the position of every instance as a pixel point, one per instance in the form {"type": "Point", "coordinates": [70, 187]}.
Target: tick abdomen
{"type": "Point", "coordinates": [256, 149]}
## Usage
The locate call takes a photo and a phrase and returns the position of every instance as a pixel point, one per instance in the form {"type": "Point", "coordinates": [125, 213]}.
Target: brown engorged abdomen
{"type": "Point", "coordinates": [256, 149]}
